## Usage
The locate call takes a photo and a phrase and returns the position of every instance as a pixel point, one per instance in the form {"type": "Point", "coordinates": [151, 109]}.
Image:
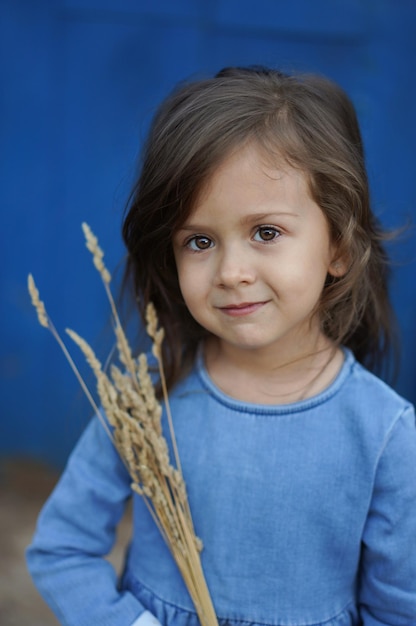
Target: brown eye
{"type": "Point", "coordinates": [266, 233]}
{"type": "Point", "coordinates": [199, 242]}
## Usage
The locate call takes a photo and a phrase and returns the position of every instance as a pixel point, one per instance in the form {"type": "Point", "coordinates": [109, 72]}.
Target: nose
{"type": "Point", "coordinates": [234, 268]}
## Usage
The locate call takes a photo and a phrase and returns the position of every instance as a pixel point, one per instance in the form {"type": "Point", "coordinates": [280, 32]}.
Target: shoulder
{"type": "Point", "coordinates": [369, 402]}
{"type": "Point", "coordinates": [370, 389]}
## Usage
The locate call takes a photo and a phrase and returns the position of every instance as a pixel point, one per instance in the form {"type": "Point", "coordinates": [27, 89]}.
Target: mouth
{"type": "Point", "coordinates": [241, 309]}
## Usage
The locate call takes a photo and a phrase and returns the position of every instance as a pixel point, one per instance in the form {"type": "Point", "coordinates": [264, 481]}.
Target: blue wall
{"type": "Point", "coordinates": [79, 83]}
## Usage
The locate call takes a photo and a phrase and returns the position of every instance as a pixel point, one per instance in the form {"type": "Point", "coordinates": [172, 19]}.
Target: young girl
{"type": "Point", "coordinates": [250, 230]}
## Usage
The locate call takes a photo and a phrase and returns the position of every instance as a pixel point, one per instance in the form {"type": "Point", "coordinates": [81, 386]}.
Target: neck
{"type": "Point", "coordinates": [270, 378]}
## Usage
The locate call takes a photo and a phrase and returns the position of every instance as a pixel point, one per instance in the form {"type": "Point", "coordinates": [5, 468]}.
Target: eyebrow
{"type": "Point", "coordinates": [264, 217]}
{"type": "Point", "coordinates": [247, 219]}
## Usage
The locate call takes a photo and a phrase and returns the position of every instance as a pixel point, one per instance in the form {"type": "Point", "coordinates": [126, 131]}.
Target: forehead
{"type": "Point", "coordinates": [251, 178]}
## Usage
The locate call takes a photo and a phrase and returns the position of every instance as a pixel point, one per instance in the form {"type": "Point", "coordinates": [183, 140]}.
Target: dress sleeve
{"type": "Point", "coordinates": [76, 529]}
{"type": "Point", "coordinates": [387, 586]}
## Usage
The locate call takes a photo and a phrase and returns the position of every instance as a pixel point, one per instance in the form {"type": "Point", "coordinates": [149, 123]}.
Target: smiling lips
{"type": "Point", "coordinates": [245, 308]}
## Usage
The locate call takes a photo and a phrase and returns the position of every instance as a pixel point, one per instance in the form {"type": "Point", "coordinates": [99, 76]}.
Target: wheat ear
{"type": "Point", "coordinates": [46, 321]}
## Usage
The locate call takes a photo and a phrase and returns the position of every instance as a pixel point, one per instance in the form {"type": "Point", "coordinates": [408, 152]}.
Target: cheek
{"type": "Point", "coordinates": [302, 280]}
{"type": "Point", "coordinates": [193, 297]}
{"type": "Point", "coordinates": [189, 283]}
{"type": "Point", "coordinates": [180, 271]}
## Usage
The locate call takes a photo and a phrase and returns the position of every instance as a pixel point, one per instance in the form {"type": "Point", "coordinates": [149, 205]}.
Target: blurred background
{"type": "Point", "coordinates": [80, 80]}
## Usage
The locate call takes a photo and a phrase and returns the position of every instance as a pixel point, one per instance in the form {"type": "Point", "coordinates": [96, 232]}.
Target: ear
{"type": "Point", "coordinates": [338, 267]}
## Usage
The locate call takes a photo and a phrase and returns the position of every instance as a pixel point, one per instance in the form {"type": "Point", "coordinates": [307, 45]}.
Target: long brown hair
{"type": "Point", "coordinates": [309, 122]}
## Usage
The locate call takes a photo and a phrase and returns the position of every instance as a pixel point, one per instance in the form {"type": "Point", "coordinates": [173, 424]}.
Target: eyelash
{"type": "Point", "coordinates": [193, 240]}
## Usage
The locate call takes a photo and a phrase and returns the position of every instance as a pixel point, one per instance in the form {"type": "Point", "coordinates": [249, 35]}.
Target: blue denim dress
{"type": "Point", "coordinates": [307, 513]}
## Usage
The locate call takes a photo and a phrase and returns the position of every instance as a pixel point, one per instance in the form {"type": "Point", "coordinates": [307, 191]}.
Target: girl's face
{"type": "Point", "coordinates": [253, 257]}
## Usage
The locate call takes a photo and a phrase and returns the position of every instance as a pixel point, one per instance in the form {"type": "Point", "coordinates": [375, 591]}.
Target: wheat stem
{"type": "Point", "coordinates": [134, 413]}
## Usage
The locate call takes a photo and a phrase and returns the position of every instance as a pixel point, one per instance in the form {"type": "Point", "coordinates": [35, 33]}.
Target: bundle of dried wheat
{"type": "Point", "coordinates": [129, 401]}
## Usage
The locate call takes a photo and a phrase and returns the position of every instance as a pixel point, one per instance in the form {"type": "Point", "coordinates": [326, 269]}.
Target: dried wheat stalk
{"type": "Point", "coordinates": [128, 398]}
